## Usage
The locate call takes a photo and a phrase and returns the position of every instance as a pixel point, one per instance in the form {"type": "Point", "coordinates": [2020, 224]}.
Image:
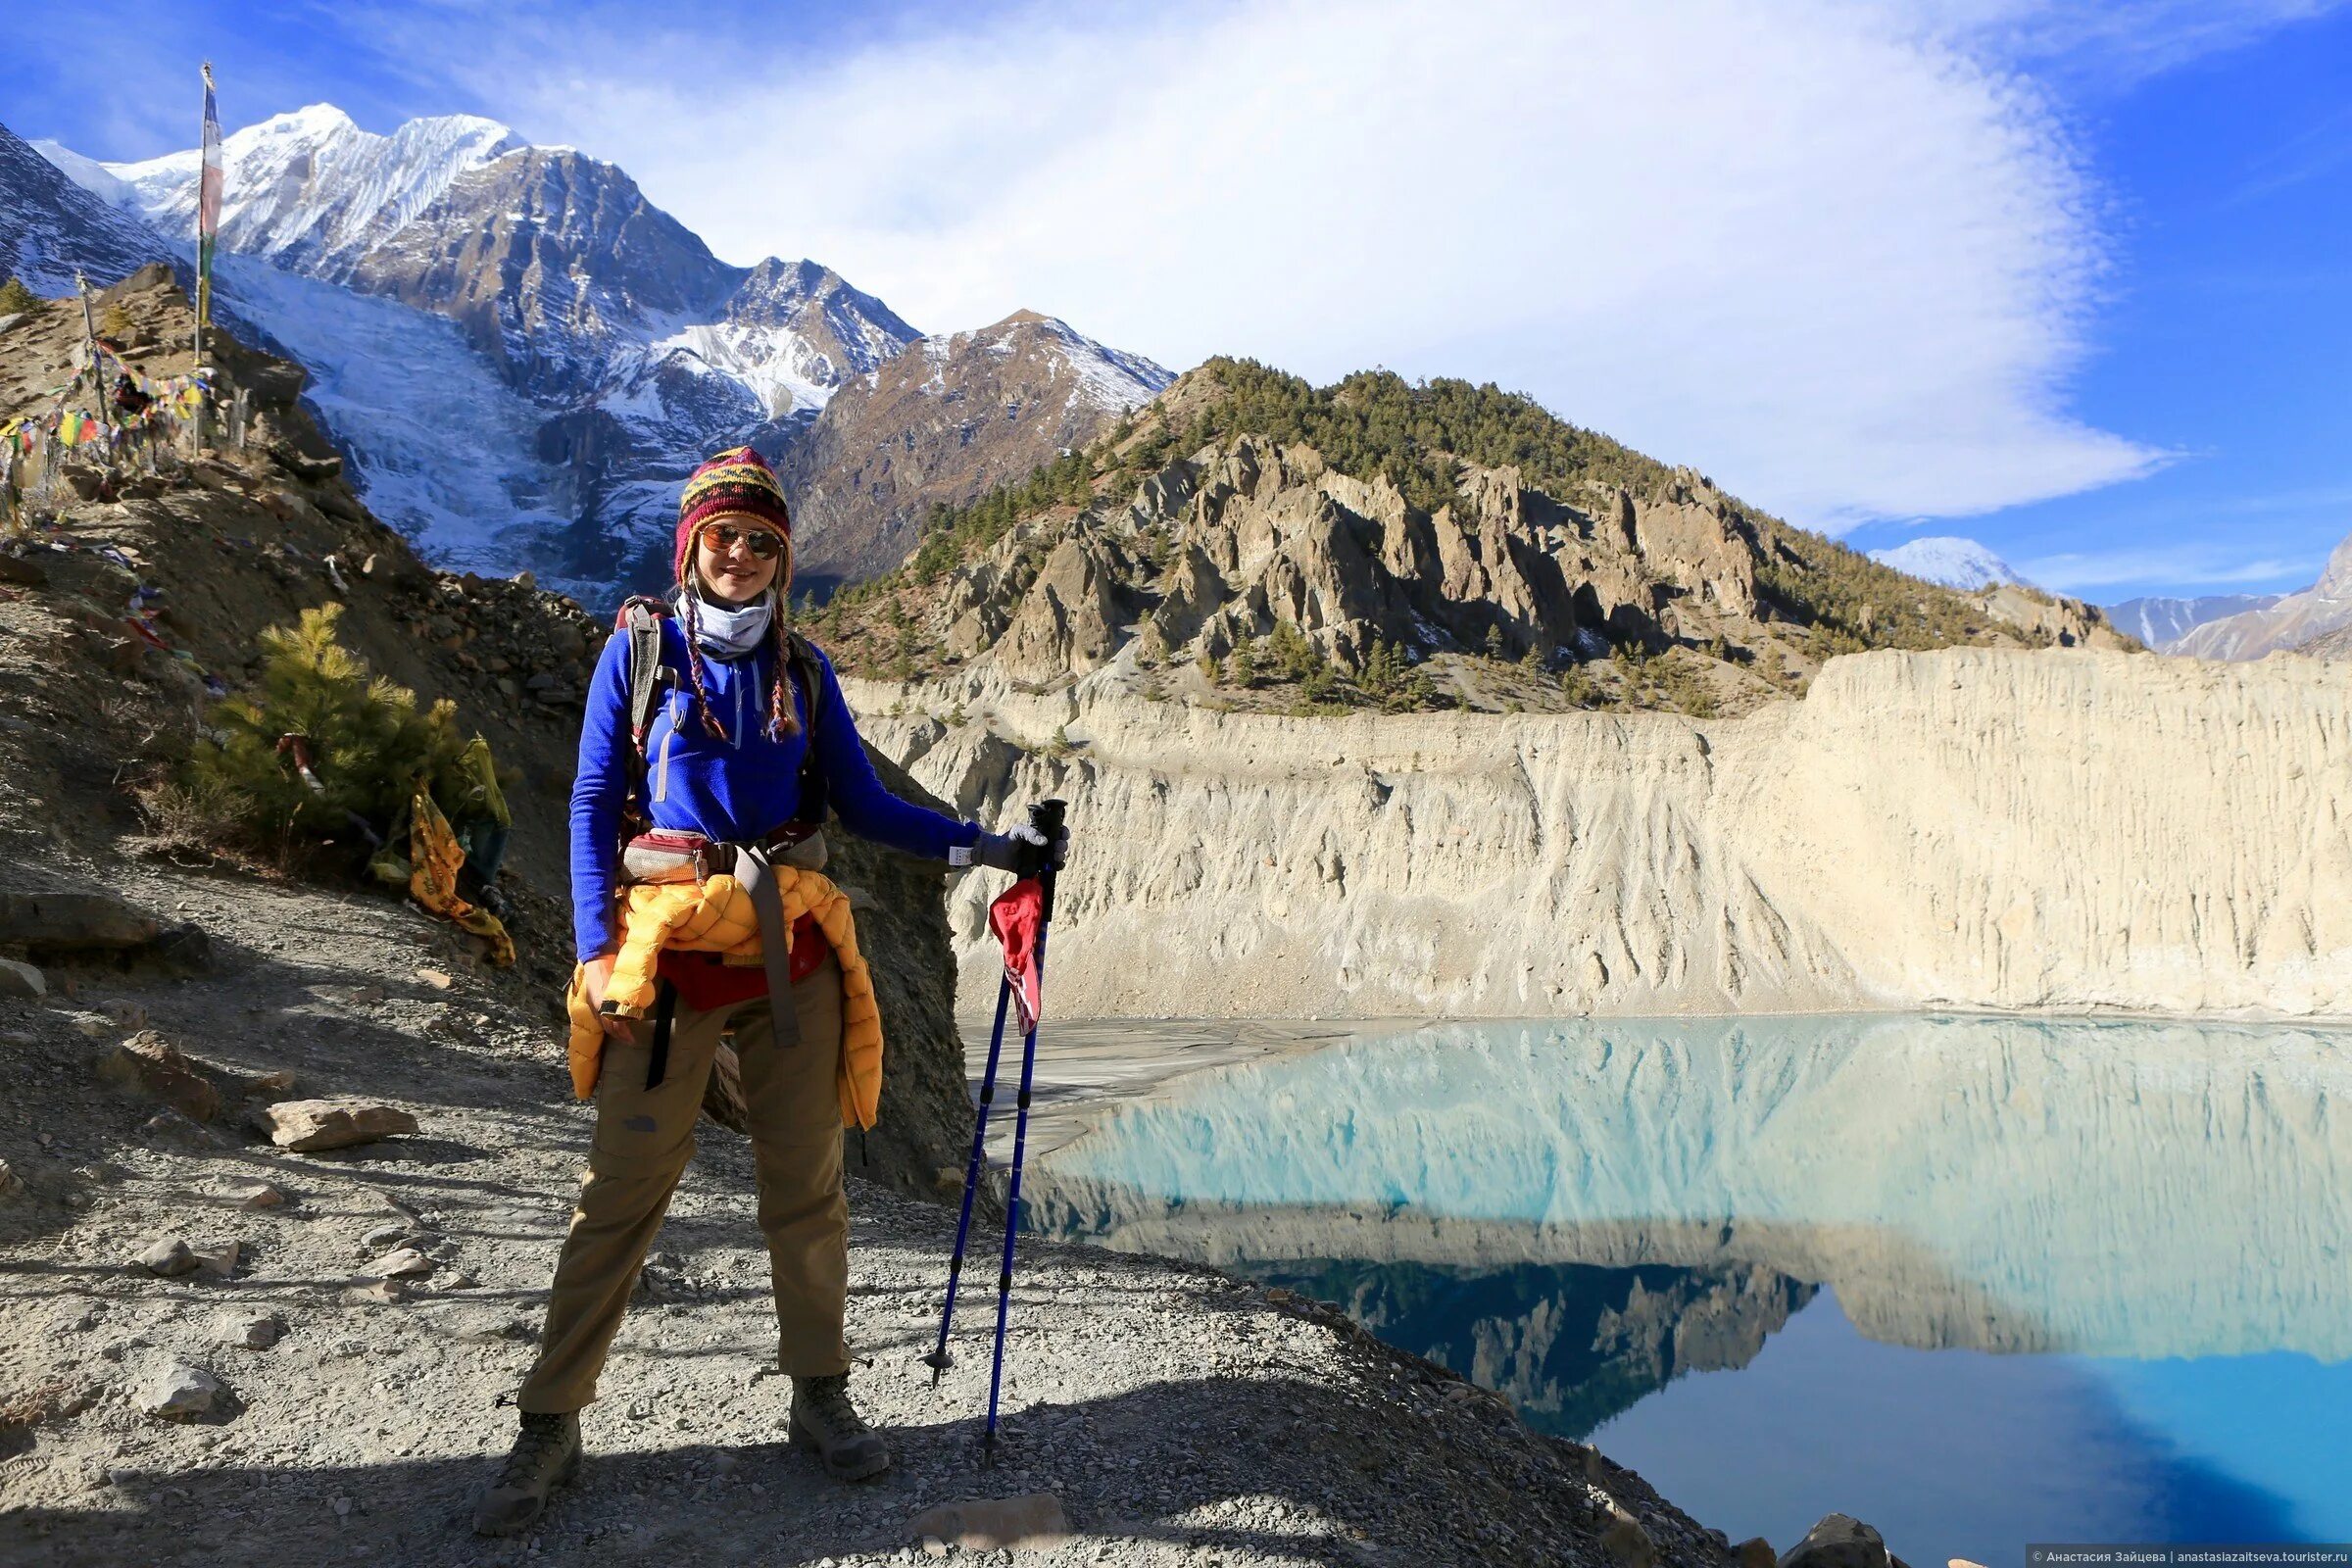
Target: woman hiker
{"type": "Point", "coordinates": [746, 722]}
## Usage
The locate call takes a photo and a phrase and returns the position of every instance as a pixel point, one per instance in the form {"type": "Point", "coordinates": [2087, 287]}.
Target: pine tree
{"type": "Point", "coordinates": [1242, 666]}
{"type": "Point", "coordinates": [1494, 642]}
{"type": "Point", "coordinates": [369, 746]}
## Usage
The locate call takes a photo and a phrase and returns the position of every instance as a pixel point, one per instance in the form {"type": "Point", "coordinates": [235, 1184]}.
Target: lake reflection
{"type": "Point", "coordinates": [2136, 1232]}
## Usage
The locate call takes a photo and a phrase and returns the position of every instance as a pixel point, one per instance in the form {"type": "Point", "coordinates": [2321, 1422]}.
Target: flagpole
{"type": "Point", "coordinates": [89, 336]}
{"type": "Point", "coordinates": [209, 179]}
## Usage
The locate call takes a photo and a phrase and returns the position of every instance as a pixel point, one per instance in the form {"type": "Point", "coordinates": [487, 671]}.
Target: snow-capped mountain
{"type": "Point", "coordinates": [610, 348]}
{"type": "Point", "coordinates": [944, 423]}
{"type": "Point", "coordinates": [1949, 563]}
{"type": "Point", "coordinates": [310, 190]}
{"type": "Point", "coordinates": [50, 226]}
{"type": "Point", "coordinates": [2161, 621]}
{"type": "Point", "coordinates": [468, 300]}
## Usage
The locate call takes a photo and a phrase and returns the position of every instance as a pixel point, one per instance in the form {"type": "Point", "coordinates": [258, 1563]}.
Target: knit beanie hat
{"type": "Point", "coordinates": [736, 483]}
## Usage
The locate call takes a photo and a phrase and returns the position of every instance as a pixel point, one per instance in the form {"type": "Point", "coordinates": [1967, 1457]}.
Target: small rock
{"type": "Point", "coordinates": [933, 1547]}
{"type": "Point", "coordinates": [11, 1183]}
{"type": "Point", "coordinates": [368, 995]}
{"type": "Point", "coordinates": [383, 1236]}
{"type": "Point", "coordinates": [269, 1083]}
{"type": "Point", "coordinates": [250, 1331]}
{"type": "Point", "coordinates": [306, 1125]}
{"type": "Point", "coordinates": [257, 1195]}
{"type": "Point", "coordinates": [405, 1263]}
{"type": "Point", "coordinates": [169, 1257]}
{"type": "Point", "coordinates": [1838, 1540]}
{"type": "Point", "coordinates": [147, 1063]}
{"type": "Point", "coordinates": [995, 1524]}
{"type": "Point", "coordinates": [435, 978]}
{"type": "Point", "coordinates": [384, 1292]}
{"type": "Point", "coordinates": [21, 982]}
{"type": "Point", "coordinates": [183, 1393]}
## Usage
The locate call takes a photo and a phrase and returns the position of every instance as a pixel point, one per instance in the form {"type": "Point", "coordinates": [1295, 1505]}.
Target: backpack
{"type": "Point", "coordinates": [640, 619]}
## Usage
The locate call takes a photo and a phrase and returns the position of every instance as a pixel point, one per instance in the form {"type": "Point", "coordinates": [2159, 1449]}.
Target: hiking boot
{"type": "Point", "coordinates": [823, 1419]}
{"type": "Point", "coordinates": [546, 1455]}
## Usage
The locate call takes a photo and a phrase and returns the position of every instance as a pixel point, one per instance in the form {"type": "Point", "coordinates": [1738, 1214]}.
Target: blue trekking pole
{"type": "Point", "coordinates": [937, 1359]}
{"type": "Point", "coordinates": [1046, 817]}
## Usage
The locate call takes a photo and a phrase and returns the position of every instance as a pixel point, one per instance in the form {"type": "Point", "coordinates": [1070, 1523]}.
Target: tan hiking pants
{"type": "Point", "coordinates": [642, 1137]}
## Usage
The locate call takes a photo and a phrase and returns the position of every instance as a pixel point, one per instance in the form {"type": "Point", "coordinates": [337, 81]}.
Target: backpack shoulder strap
{"type": "Point", "coordinates": [641, 619]}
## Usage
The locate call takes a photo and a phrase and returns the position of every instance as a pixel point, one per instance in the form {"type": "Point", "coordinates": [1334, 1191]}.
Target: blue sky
{"type": "Point", "coordinates": [2069, 279]}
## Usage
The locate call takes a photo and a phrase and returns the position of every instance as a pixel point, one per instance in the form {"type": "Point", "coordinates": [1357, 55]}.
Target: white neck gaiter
{"type": "Point", "coordinates": [729, 631]}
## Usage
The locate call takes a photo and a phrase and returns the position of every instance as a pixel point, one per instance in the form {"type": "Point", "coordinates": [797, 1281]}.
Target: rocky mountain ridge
{"type": "Point", "coordinates": [1171, 565]}
{"type": "Point", "coordinates": [2160, 621]}
{"type": "Point", "coordinates": [2291, 620]}
{"type": "Point", "coordinates": [942, 424]}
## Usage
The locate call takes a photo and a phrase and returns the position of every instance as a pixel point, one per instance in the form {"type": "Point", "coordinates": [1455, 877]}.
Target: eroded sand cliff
{"type": "Point", "coordinates": [1980, 828]}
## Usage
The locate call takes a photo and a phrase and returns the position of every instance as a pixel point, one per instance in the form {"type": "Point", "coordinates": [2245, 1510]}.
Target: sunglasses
{"type": "Point", "coordinates": [761, 542]}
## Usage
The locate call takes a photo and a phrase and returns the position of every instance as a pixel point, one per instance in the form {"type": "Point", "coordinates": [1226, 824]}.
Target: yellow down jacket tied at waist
{"type": "Point", "coordinates": [716, 915]}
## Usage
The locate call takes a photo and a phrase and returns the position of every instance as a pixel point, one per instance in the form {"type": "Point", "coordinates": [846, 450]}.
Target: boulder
{"type": "Point", "coordinates": [148, 1064]}
{"type": "Point", "coordinates": [995, 1524]}
{"type": "Point", "coordinates": [21, 982]}
{"type": "Point", "coordinates": [23, 572]}
{"type": "Point", "coordinates": [1839, 1541]}
{"type": "Point", "coordinates": [73, 923]}
{"type": "Point", "coordinates": [1626, 1540]}
{"type": "Point", "coordinates": [309, 1125]}
{"type": "Point", "coordinates": [169, 1257]}
{"type": "Point", "coordinates": [183, 1393]}
{"type": "Point", "coordinates": [1755, 1553]}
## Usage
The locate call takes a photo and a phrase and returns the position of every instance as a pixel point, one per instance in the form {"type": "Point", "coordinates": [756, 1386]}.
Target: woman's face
{"type": "Point", "coordinates": [726, 555]}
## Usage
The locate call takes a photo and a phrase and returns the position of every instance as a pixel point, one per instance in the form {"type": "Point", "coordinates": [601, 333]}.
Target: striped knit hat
{"type": "Point", "coordinates": [736, 483]}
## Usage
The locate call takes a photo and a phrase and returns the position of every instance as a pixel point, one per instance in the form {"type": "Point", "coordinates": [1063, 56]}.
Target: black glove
{"type": "Point", "coordinates": [1024, 852]}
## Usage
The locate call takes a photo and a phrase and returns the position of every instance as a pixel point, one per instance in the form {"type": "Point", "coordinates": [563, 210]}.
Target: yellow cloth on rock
{"type": "Point", "coordinates": [717, 916]}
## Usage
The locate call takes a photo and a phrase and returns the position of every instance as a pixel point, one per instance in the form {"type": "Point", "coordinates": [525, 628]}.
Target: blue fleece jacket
{"type": "Point", "coordinates": [744, 787]}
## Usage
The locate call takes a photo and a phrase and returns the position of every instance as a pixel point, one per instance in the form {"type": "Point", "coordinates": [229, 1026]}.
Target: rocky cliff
{"type": "Point", "coordinates": [2065, 830]}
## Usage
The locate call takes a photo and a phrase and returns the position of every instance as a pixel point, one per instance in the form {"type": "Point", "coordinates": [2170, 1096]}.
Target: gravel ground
{"type": "Point", "coordinates": [1178, 1415]}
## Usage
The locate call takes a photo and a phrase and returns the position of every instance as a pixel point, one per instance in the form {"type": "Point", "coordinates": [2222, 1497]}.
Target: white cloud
{"type": "Point", "coordinates": [1839, 264]}
{"type": "Point", "coordinates": [2206, 567]}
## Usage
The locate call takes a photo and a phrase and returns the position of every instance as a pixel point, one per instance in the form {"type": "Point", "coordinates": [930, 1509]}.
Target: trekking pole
{"type": "Point", "coordinates": [1046, 817]}
{"type": "Point", "coordinates": [939, 1359]}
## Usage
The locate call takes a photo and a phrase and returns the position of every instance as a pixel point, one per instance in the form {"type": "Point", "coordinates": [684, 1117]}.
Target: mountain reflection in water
{"type": "Point", "coordinates": [2144, 1220]}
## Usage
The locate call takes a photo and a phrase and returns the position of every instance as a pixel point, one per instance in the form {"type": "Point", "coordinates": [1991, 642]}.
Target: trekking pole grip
{"type": "Point", "coordinates": [1047, 818]}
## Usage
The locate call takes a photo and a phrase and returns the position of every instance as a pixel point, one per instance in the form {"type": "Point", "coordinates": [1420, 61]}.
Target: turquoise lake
{"type": "Point", "coordinates": [1976, 1280]}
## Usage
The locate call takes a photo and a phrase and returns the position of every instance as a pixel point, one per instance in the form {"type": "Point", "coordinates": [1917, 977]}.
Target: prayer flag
{"type": "Point", "coordinates": [210, 180]}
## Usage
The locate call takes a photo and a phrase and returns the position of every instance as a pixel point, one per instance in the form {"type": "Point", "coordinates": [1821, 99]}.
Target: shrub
{"type": "Point", "coordinates": [369, 745]}
{"type": "Point", "coordinates": [16, 297]}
